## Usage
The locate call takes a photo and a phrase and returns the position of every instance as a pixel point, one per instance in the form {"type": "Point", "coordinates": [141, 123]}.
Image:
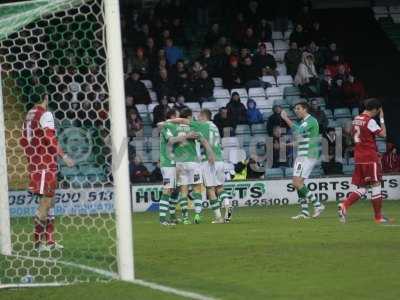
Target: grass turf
{"type": "Point", "coordinates": [262, 254]}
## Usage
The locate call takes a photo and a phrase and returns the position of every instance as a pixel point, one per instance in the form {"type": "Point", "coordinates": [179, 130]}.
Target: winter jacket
{"type": "Point", "coordinates": [254, 116]}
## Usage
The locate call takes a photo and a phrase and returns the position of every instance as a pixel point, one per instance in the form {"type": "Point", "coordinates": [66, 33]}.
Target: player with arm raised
{"type": "Point", "coordinates": [42, 149]}
{"type": "Point", "coordinates": [307, 156]}
{"type": "Point", "coordinates": [368, 170]}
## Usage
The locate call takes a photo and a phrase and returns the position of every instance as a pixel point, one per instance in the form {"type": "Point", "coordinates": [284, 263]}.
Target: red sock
{"type": "Point", "coordinates": [377, 205]}
{"type": "Point", "coordinates": [351, 199]}
{"type": "Point", "coordinates": [50, 232]}
{"type": "Point", "coordinates": [39, 230]}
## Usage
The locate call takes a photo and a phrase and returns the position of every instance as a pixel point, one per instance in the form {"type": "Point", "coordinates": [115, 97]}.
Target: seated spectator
{"type": "Point", "coordinates": [265, 61]}
{"type": "Point", "coordinates": [204, 88]}
{"type": "Point", "coordinates": [151, 51]}
{"type": "Point", "coordinates": [238, 28]}
{"type": "Point", "coordinates": [255, 168]}
{"type": "Point", "coordinates": [330, 165]}
{"type": "Point", "coordinates": [341, 73]}
{"type": "Point", "coordinates": [292, 59]}
{"type": "Point", "coordinates": [140, 63]}
{"type": "Point", "coordinates": [307, 78]}
{"type": "Point", "coordinates": [224, 59]}
{"type": "Point", "coordinates": [156, 175]}
{"type": "Point", "coordinates": [254, 116]}
{"type": "Point", "coordinates": [164, 86]}
{"type": "Point", "coordinates": [299, 36]}
{"type": "Point", "coordinates": [185, 85]}
{"type": "Point", "coordinates": [391, 159]}
{"type": "Point", "coordinates": [180, 103]}
{"type": "Point", "coordinates": [354, 92]}
{"type": "Point", "coordinates": [129, 103]}
{"type": "Point", "coordinates": [338, 66]}
{"type": "Point", "coordinates": [275, 120]}
{"type": "Point", "coordinates": [232, 75]}
{"type": "Point", "coordinates": [219, 48]}
{"type": "Point", "coordinates": [172, 53]}
{"type": "Point", "coordinates": [244, 53]}
{"type": "Point", "coordinates": [138, 173]}
{"type": "Point", "coordinates": [178, 32]}
{"type": "Point", "coordinates": [348, 141]}
{"type": "Point", "coordinates": [280, 146]}
{"type": "Point", "coordinates": [240, 171]}
{"type": "Point", "coordinates": [315, 34]}
{"type": "Point", "coordinates": [249, 40]}
{"type": "Point", "coordinates": [208, 61]}
{"type": "Point", "coordinates": [331, 52]}
{"type": "Point", "coordinates": [135, 123]}
{"type": "Point", "coordinates": [196, 69]}
{"type": "Point", "coordinates": [212, 36]}
{"type": "Point", "coordinates": [222, 121]}
{"type": "Point", "coordinates": [178, 69]}
{"type": "Point", "coordinates": [335, 98]}
{"type": "Point", "coordinates": [264, 31]}
{"type": "Point", "coordinates": [237, 112]}
{"type": "Point", "coordinates": [320, 115]}
{"type": "Point", "coordinates": [135, 88]}
{"type": "Point", "coordinates": [251, 75]}
{"type": "Point", "coordinates": [160, 111]}
{"type": "Point", "coordinates": [319, 56]}
{"type": "Point", "coordinates": [160, 65]}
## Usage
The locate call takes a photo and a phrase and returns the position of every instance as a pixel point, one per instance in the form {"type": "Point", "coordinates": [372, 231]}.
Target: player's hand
{"type": "Point", "coordinates": [284, 114]}
{"type": "Point", "coordinates": [192, 136]}
{"type": "Point", "coordinates": [69, 161]}
{"type": "Point", "coordinates": [211, 159]}
{"type": "Point", "coordinates": [381, 113]}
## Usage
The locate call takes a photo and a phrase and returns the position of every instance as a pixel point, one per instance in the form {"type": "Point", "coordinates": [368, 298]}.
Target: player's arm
{"type": "Point", "coordinates": [382, 133]}
{"type": "Point", "coordinates": [160, 125]}
{"type": "Point", "coordinates": [289, 122]}
{"type": "Point", "coordinates": [208, 148]}
{"type": "Point", "coordinates": [47, 123]}
{"type": "Point", "coordinates": [376, 129]}
{"type": "Point", "coordinates": [182, 138]}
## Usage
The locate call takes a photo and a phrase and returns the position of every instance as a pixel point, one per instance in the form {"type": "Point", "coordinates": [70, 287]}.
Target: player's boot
{"type": "Point", "coordinates": [39, 247]}
{"type": "Point", "coordinates": [342, 212]}
{"type": "Point", "coordinates": [383, 220]}
{"type": "Point", "coordinates": [218, 221]}
{"type": "Point", "coordinates": [55, 246]}
{"type": "Point", "coordinates": [228, 214]}
{"type": "Point", "coordinates": [197, 219]}
{"type": "Point", "coordinates": [318, 211]}
{"type": "Point", "coordinates": [165, 223]}
{"type": "Point", "coordinates": [300, 216]}
{"type": "Point", "coordinates": [186, 221]}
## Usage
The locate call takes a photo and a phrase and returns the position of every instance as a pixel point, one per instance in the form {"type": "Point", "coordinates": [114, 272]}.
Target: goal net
{"type": "Point", "coordinates": [58, 47]}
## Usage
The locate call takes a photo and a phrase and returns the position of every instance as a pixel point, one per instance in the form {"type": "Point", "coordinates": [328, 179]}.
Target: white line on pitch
{"type": "Point", "coordinates": [392, 225]}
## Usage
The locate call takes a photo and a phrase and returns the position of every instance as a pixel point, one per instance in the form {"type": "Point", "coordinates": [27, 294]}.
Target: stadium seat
{"type": "Point", "coordinates": [153, 96]}
{"type": "Point", "coordinates": [277, 35]}
{"type": "Point", "coordinates": [287, 35]}
{"type": "Point", "coordinates": [237, 155]}
{"type": "Point", "coordinates": [381, 145]}
{"type": "Point", "coordinates": [281, 68]}
{"type": "Point", "coordinates": [262, 103]}
{"type": "Point", "coordinates": [270, 79]}
{"type": "Point", "coordinates": [242, 129]}
{"type": "Point", "coordinates": [266, 115]}
{"type": "Point", "coordinates": [328, 113]}
{"type": "Point", "coordinates": [256, 92]}
{"type": "Point", "coordinates": [222, 102]}
{"type": "Point", "coordinates": [348, 169]}
{"type": "Point", "coordinates": [287, 172]}
{"type": "Point", "coordinates": [334, 124]}
{"type": "Point", "coordinates": [274, 93]}
{"type": "Point", "coordinates": [217, 81]}
{"type": "Point", "coordinates": [148, 84]}
{"type": "Point", "coordinates": [212, 105]}
{"type": "Point", "coordinates": [284, 80]}
{"type": "Point", "coordinates": [259, 128]}
{"type": "Point", "coordinates": [221, 93]}
{"type": "Point", "coordinates": [355, 111]}
{"type": "Point", "coordinates": [194, 106]}
{"type": "Point", "coordinates": [380, 11]}
{"type": "Point", "coordinates": [281, 46]}
{"type": "Point", "coordinates": [225, 154]}
{"type": "Point", "coordinates": [242, 93]}
{"type": "Point", "coordinates": [281, 102]}
{"type": "Point", "coordinates": [291, 91]}
{"type": "Point", "coordinates": [244, 138]}
{"type": "Point", "coordinates": [342, 113]}
{"type": "Point", "coordinates": [394, 9]}
{"type": "Point", "coordinates": [230, 142]}
{"type": "Point", "coordinates": [269, 47]}
{"type": "Point", "coordinates": [274, 172]}
{"type": "Point", "coordinates": [142, 108]}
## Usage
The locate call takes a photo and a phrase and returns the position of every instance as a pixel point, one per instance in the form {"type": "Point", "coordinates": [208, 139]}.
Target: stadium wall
{"type": "Point", "coordinates": [263, 193]}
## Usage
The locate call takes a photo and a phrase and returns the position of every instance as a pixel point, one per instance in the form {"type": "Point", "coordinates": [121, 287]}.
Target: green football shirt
{"type": "Point", "coordinates": [308, 137]}
{"type": "Point", "coordinates": [189, 150]}
{"type": "Point", "coordinates": [210, 132]}
{"type": "Point", "coordinates": [167, 158]}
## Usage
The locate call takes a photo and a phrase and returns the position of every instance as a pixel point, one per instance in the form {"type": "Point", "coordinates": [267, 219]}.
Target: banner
{"type": "Point", "coordinates": [263, 193]}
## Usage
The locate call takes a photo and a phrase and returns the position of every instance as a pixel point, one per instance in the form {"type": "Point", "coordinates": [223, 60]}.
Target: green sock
{"type": "Point", "coordinates": [216, 207]}
{"type": "Point", "coordinates": [303, 203]}
{"type": "Point", "coordinates": [163, 207]}
{"type": "Point", "coordinates": [173, 201]}
{"type": "Point", "coordinates": [197, 201]}
{"type": "Point", "coordinates": [305, 193]}
{"type": "Point", "coordinates": [183, 202]}
{"type": "Point", "coordinates": [223, 198]}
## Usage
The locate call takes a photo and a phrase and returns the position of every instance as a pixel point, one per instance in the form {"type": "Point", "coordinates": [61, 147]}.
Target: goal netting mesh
{"type": "Point", "coordinates": [58, 47]}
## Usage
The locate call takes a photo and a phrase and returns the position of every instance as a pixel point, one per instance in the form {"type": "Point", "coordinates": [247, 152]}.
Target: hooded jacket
{"type": "Point", "coordinates": [305, 71]}
{"type": "Point", "coordinates": [254, 116]}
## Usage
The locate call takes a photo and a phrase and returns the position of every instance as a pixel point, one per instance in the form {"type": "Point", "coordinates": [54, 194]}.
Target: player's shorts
{"type": "Point", "coordinates": [43, 182]}
{"type": "Point", "coordinates": [213, 175]}
{"type": "Point", "coordinates": [188, 173]}
{"type": "Point", "coordinates": [303, 166]}
{"type": "Point", "coordinates": [169, 177]}
{"type": "Point", "coordinates": [367, 173]}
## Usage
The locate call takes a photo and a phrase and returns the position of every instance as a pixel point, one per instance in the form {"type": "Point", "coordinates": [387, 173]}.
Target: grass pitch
{"type": "Point", "coordinates": [262, 254]}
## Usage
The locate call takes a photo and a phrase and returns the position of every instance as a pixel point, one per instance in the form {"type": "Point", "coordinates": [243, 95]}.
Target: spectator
{"type": "Point", "coordinates": [330, 165]}
{"type": "Point", "coordinates": [222, 121]}
{"type": "Point", "coordinates": [299, 36]}
{"type": "Point", "coordinates": [305, 17]}
{"type": "Point", "coordinates": [275, 120]}
{"type": "Point", "coordinates": [254, 116]}
{"type": "Point", "coordinates": [255, 168]}
{"type": "Point", "coordinates": [249, 40]}
{"type": "Point", "coordinates": [224, 58]}
{"type": "Point", "coordinates": [339, 69]}
{"type": "Point", "coordinates": [138, 173]}
{"type": "Point", "coordinates": [185, 85]}
{"type": "Point", "coordinates": [354, 92]}
{"type": "Point", "coordinates": [319, 56]}
{"type": "Point", "coordinates": [278, 143]}
{"type": "Point", "coordinates": [208, 61]}
{"type": "Point", "coordinates": [307, 77]}
{"type": "Point", "coordinates": [178, 69]}
{"type": "Point", "coordinates": [336, 95]}
{"type": "Point", "coordinates": [164, 86]}
{"type": "Point", "coordinates": [219, 48]}
{"type": "Point", "coordinates": [204, 88]}
{"type": "Point", "coordinates": [232, 75]}
{"type": "Point", "coordinates": [331, 52]}
{"type": "Point", "coordinates": [140, 63]}
{"type": "Point", "coordinates": [196, 69]}
{"type": "Point", "coordinates": [151, 52]}
{"type": "Point", "coordinates": [348, 141]}
{"type": "Point", "coordinates": [391, 159]}
{"type": "Point", "coordinates": [264, 31]}
{"type": "Point", "coordinates": [237, 113]}
{"type": "Point", "coordinates": [156, 175]}
{"type": "Point", "coordinates": [172, 53]}
{"type": "Point", "coordinates": [265, 62]}
{"type": "Point", "coordinates": [251, 74]}
{"type": "Point", "coordinates": [292, 59]}
{"type": "Point", "coordinates": [315, 35]}
{"type": "Point", "coordinates": [178, 31]}
{"type": "Point", "coordinates": [320, 115]}
{"type": "Point", "coordinates": [135, 124]}
{"type": "Point", "coordinates": [135, 88]}
{"type": "Point", "coordinates": [129, 103]}
{"type": "Point", "coordinates": [180, 103]}
{"type": "Point", "coordinates": [238, 28]}
{"type": "Point", "coordinates": [213, 35]}
{"type": "Point", "coordinates": [244, 52]}
{"type": "Point", "coordinates": [160, 111]}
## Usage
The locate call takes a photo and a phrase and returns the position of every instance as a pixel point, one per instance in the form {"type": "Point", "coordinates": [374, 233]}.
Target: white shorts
{"type": "Point", "coordinates": [213, 175]}
{"type": "Point", "coordinates": [188, 173]}
{"type": "Point", "coordinates": [303, 166]}
{"type": "Point", "coordinates": [169, 177]}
